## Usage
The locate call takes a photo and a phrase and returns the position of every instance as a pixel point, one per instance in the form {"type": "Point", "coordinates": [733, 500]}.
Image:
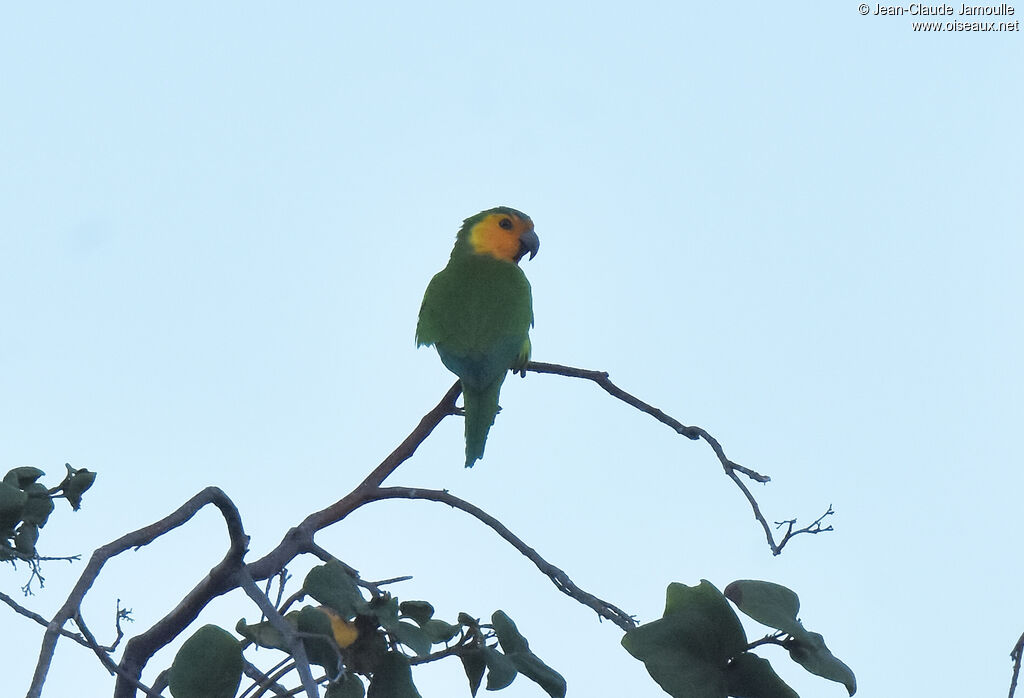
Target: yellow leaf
{"type": "Point", "coordinates": [344, 632]}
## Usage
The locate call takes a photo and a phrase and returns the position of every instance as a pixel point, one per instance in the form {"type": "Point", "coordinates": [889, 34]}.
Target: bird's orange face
{"type": "Point", "coordinates": [505, 235]}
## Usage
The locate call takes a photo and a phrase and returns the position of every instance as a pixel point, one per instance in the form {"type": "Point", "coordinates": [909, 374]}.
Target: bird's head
{"type": "Point", "coordinates": [501, 232]}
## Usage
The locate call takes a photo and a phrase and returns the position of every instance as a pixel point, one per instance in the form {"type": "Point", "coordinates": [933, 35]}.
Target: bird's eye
{"type": "Point", "coordinates": [505, 223]}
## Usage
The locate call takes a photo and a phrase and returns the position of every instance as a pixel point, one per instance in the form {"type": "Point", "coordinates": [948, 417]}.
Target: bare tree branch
{"type": "Point", "coordinates": [231, 572]}
{"type": "Point", "coordinates": [558, 577]}
{"type": "Point", "coordinates": [270, 681]}
{"type": "Point", "coordinates": [220, 580]}
{"type": "Point", "coordinates": [1015, 655]}
{"type": "Point", "coordinates": [107, 662]}
{"type": "Point", "coordinates": [291, 638]}
{"type": "Point", "coordinates": [31, 615]}
{"type": "Point", "coordinates": [694, 433]}
{"type": "Point", "coordinates": [297, 541]}
{"type": "Point", "coordinates": [136, 539]}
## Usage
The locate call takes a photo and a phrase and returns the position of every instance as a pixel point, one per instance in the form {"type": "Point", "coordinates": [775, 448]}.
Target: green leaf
{"type": "Point", "coordinates": [345, 632]}
{"type": "Point", "coordinates": [810, 652]}
{"type": "Point", "coordinates": [412, 637]}
{"type": "Point", "coordinates": [25, 539]}
{"type": "Point", "coordinates": [333, 586]}
{"type": "Point", "coordinates": [750, 676]}
{"type": "Point", "coordinates": [468, 620]}
{"type": "Point", "coordinates": [76, 483]}
{"type": "Point", "coordinates": [509, 637]}
{"type": "Point", "coordinates": [12, 503]}
{"type": "Point", "coordinates": [500, 669]}
{"type": "Point", "coordinates": [687, 650]}
{"type": "Point", "coordinates": [770, 604]}
{"type": "Point", "coordinates": [208, 665]}
{"type": "Point", "coordinates": [38, 507]}
{"type": "Point", "coordinates": [661, 646]}
{"type": "Point", "coordinates": [386, 611]}
{"type": "Point", "coordinates": [714, 630]}
{"type": "Point", "coordinates": [369, 648]}
{"type": "Point", "coordinates": [23, 476]}
{"type": "Point", "coordinates": [530, 666]}
{"type": "Point", "coordinates": [350, 686]}
{"type": "Point", "coordinates": [308, 620]}
{"type": "Point", "coordinates": [439, 631]}
{"type": "Point", "coordinates": [392, 678]}
{"type": "Point", "coordinates": [419, 611]}
{"type": "Point", "coordinates": [312, 621]}
{"type": "Point", "coordinates": [474, 664]}
{"type": "Point", "coordinates": [263, 634]}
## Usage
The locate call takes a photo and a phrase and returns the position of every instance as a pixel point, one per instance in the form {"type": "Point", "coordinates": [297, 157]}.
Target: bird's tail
{"type": "Point", "coordinates": [480, 408]}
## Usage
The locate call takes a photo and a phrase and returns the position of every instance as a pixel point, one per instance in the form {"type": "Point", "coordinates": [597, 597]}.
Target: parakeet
{"type": "Point", "coordinates": [478, 312]}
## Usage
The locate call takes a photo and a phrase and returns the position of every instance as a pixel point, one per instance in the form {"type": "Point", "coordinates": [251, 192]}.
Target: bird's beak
{"type": "Point", "coordinates": [528, 242]}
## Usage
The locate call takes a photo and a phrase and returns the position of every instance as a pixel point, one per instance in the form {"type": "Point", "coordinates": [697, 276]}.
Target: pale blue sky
{"type": "Point", "coordinates": [795, 226]}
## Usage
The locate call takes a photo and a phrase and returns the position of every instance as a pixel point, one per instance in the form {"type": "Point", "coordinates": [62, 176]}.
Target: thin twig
{"type": "Point", "coordinates": [31, 615]}
{"type": "Point", "coordinates": [557, 576]}
{"type": "Point", "coordinates": [283, 578]}
{"type": "Point", "coordinates": [694, 433]}
{"type": "Point", "coordinates": [119, 615]}
{"type": "Point", "coordinates": [264, 680]}
{"type": "Point", "coordinates": [441, 654]}
{"type": "Point", "coordinates": [392, 580]}
{"type": "Point", "coordinates": [107, 662]}
{"type": "Point", "coordinates": [814, 527]}
{"type": "Point", "coordinates": [773, 639]}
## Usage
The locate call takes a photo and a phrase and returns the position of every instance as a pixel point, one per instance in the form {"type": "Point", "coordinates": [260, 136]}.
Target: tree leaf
{"type": "Point", "coordinates": [500, 669]}
{"type": "Point", "coordinates": [344, 632]}
{"type": "Point", "coordinates": [312, 621]}
{"type": "Point", "coordinates": [392, 678]}
{"type": "Point", "coordinates": [75, 485]}
{"type": "Point", "coordinates": [38, 506]}
{"type": "Point", "coordinates": [509, 637]}
{"type": "Point", "coordinates": [750, 676]}
{"type": "Point", "coordinates": [530, 666]}
{"type": "Point", "coordinates": [23, 476]}
{"type": "Point", "coordinates": [770, 604]}
{"type": "Point", "coordinates": [439, 631]}
{"type": "Point", "coordinates": [419, 611]}
{"type": "Point", "coordinates": [413, 637]}
{"type": "Point", "coordinates": [333, 586]}
{"type": "Point", "coordinates": [263, 634]}
{"type": "Point", "coordinates": [661, 646]}
{"type": "Point", "coordinates": [12, 503]}
{"type": "Point", "coordinates": [208, 665]}
{"type": "Point", "coordinates": [713, 629]}
{"type": "Point", "coordinates": [350, 686]}
{"type": "Point", "coordinates": [688, 649]}
{"type": "Point", "coordinates": [810, 652]}
{"type": "Point", "coordinates": [386, 611]}
{"type": "Point", "coordinates": [25, 539]}
{"type": "Point", "coordinates": [474, 664]}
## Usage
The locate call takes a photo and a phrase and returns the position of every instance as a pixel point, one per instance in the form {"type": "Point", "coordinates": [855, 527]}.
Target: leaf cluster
{"type": "Point", "coordinates": [26, 505]}
{"type": "Point", "coordinates": [355, 639]}
{"type": "Point", "coordinates": [698, 648]}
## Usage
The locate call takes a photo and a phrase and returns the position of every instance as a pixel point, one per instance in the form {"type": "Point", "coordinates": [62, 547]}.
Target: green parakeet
{"type": "Point", "coordinates": [478, 311]}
